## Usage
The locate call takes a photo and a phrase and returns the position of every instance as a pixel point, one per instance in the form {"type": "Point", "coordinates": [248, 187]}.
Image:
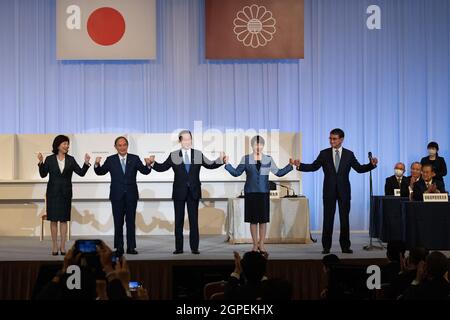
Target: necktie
{"type": "Point", "coordinates": [337, 160]}
{"type": "Point", "coordinates": [123, 165]}
{"type": "Point", "coordinates": [187, 163]}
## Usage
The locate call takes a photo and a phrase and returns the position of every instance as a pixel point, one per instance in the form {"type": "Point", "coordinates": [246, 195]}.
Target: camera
{"type": "Point", "coordinates": [90, 258]}
{"type": "Point", "coordinates": [134, 285]}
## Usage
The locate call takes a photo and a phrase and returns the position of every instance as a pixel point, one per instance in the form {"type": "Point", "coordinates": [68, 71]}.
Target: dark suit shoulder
{"type": "Point", "coordinates": [133, 156]}
{"type": "Point", "coordinates": [347, 151]}
{"type": "Point", "coordinates": [50, 157]}
{"type": "Point", "coordinates": [325, 152]}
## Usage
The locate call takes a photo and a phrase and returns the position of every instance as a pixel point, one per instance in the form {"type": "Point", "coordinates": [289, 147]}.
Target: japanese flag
{"type": "Point", "coordinates": [106, 29]}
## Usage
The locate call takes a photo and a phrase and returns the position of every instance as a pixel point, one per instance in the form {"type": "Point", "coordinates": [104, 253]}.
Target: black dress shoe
{"type": "Point", "coordinates": [325, 251]}
{"type": "Point", "coordinates": [348, 250]}
{"type": "Point", "coordinates": [132, 251]}
{"type": "Point", "coordinates": [63, 253]}
{"type": "Point", "coordinates": [195, 252]}
{"type": "Point", "coordinates": [118, 253]}
{"type": "Point", "coordinates": [55, 253]}
{"type": "Point", "coordinates": [178, 252]}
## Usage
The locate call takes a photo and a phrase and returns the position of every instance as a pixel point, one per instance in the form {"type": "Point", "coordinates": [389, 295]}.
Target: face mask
{"type": "Point", "coordinates": [398, 173]}
{"type": "Point", "coordinates": [432, 152]}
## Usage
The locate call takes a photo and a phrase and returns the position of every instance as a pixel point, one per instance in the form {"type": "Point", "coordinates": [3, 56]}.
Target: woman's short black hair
{"type": "Point", "coordinates": [180, 135]}
{"type": "Point", "coordinates": [433, 145]}
{"type": "Point", "coordinates": [57, 142]}
{"type": "Point", "coordinates": [257, 139]}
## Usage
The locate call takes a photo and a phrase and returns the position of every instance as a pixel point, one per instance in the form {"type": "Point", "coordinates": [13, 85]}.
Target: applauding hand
{"type": "Point", "coordinates": [40, 157]}
{"type": "Point", "coordinates": [237, 263]}
{"type": "Point", "coordinates": [87, 158]}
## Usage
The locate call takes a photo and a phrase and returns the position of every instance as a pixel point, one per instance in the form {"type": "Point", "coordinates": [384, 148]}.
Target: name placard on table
{"type": "Point", "coordinates": [435, 197]}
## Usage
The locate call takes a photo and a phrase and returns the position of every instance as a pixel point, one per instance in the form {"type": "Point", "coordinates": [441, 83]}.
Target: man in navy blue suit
{"type": "Point", "coordinates": [336, 163]}
{"type": "Point", "coordinates": [186, 164]}
{"type": "Point", "coordinates": [123, 168]}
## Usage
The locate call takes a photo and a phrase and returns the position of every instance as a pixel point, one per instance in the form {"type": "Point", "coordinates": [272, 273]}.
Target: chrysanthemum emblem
{"type": "Point", "coordinates": [254, 26]}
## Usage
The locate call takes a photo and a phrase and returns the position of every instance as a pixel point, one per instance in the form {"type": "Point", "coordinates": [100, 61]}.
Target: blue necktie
{"type": "Point", "coordinates": [337, 160]}
{"type": "Point", "coordinates": [123, 165]}
{"type": "Point", "coordinates": [187, 163]}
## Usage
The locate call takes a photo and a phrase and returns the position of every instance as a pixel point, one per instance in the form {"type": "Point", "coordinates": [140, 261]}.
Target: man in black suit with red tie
{"type": "Point", "coordinates": [336, 163]}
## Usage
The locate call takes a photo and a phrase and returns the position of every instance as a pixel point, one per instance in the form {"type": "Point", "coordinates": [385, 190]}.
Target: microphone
{"type": "Point", "coordinates": [293, 195]}
{"type": "Point", "coordinates": [370, 156]}
{"type": "Point", "coordinates": [242, 194]}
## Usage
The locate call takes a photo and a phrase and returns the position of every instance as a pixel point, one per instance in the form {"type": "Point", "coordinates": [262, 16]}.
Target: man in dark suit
{"type": "Point", "coordinates": [123, 168]}
{"type": "Point", "coordinates": [186, 164]}
{"type": "Point", "coordinates": [416, 175]}
{"type": "Point", "coordinates": [427, 184]}
{"type": "Point", "coordinates": [336, 163]}
{"type": "Point", "coordinates": [397, 181]}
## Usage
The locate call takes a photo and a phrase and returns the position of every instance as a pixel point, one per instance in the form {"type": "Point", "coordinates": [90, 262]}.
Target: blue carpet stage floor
{"type": "Point", "coordinates": [164, 274]}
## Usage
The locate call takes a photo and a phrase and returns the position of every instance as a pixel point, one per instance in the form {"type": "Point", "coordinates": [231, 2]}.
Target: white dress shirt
{"type": "Point", "coordinates": [61, 164]}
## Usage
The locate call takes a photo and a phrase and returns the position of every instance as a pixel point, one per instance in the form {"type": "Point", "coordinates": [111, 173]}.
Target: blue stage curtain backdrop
{"type": "Point", "coordinates": [388, 89]}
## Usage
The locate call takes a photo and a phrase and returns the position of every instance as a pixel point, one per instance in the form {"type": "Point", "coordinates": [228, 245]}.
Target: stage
{"type": "Point", "coordinates": [167, 276]}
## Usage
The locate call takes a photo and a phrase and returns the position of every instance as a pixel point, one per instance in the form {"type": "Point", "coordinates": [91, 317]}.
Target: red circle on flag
{"type": "Point", "coordinates": [106, 26]}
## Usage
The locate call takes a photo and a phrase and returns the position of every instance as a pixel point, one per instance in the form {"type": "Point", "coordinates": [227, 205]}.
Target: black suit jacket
{"type": "Point", "coordinates": [420, 187]}
{"type": "Point", "coordinates": [392, 184]}
{"type": "Point", "coordinates": [440, 167]}
{"type": "Point", "coordinates": [185, 182]}
{"type": "Point", "coordinates": [123, 183]}
{"type": "Point", "coordinates": [61, 183]}
{"type": "Point", "coordinates": [336, 184]}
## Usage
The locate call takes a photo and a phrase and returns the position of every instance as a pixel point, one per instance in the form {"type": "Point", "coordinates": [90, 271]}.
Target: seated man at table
{"type": "Point", "coordinates": [416, 173]}
{"type": "Point", "coordinates": [427, 184]}
{"type": "Point", "coordinates": [397, 181]}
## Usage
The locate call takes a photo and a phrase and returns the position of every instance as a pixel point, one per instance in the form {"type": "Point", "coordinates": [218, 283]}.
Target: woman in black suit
{"type": "Point", "coordinates": [438, 163]}
{"type": "Point", "coordinates": [60, 166]}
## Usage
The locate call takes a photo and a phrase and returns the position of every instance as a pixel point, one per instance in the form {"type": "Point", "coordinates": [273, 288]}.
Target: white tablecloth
{"type": "Point", "coordinates": [289, 221]}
